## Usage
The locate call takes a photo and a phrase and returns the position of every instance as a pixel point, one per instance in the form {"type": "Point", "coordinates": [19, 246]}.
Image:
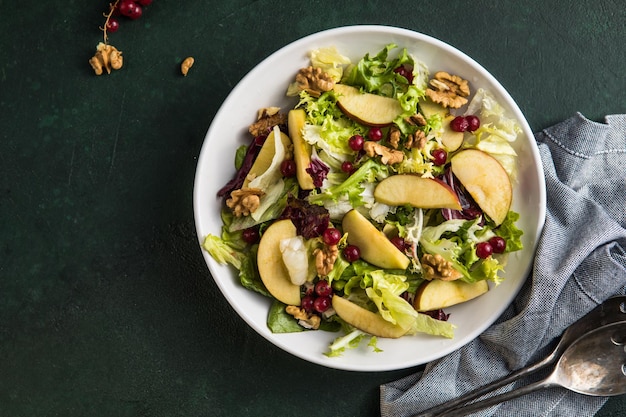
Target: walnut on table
{"type": "Point", "coordinates": [436, 267]}
{"type": "Point", "coordinates": [448, 90]}
{"type": "Point", "coordinates": [107, 57]}
{"type": "Point", "coordinates": [244, 201]}
{"type": "Point", "coordinates": [314, 81]}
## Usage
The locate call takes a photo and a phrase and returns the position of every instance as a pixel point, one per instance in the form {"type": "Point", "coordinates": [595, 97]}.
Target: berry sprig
{"type": "Point", "coordinates": [107, 57]}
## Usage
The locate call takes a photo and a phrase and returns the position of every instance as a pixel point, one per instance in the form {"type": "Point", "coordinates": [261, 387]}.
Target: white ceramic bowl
{"type": "Point", "coordinates": [265, 86]}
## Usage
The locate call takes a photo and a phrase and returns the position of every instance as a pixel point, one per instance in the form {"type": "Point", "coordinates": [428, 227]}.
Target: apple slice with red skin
{"type": "Point", "coordinates": [365, 108]}
{"type": "Point", "coordinates": [366, 320]}
{"type": "Point", "coordinates": [486, 180]}
{"type": "Point", "coordinates": [438, 294]}
{"type": "Point", "coordinates": [426, 193]}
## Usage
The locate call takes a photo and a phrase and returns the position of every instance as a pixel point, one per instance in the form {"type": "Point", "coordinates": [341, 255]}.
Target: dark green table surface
{"type": "Point", "coordinates": [106, 305]}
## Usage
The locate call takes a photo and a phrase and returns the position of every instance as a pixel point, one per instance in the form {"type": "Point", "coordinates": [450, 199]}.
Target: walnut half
{"type": "Point", "coordinates": [387, 156]}
{"type": "Point", "coordinates": [314, 81]}
{"type": "Point", "coordinates": [325, 259]}
{"type": "Point", "coordinates": [435, 267]}
{"type": "Point", "coordinates": [448, 90]}
{"type": "Point", "coordinates": [244, 201]}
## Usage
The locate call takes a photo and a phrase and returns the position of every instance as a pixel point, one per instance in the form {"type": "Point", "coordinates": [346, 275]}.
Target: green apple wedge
{"type": "Point", "coordinates": [272, 270]}
{"type": "Point", "coordinates": [426, 193]}
{"type": "Point", "coordinates": [366, 320]}
{"type": "Point", "coordinates": [437, 294]}
{"type": "Point", "coordinates": [365, 108]}
{"type": "Point", "coordinates": [375, 247]}
{"type": "Point", "coordinates": [301, 149]}
{"type": "Point", "coordinates": [450, 139]}
{"type": "Point", "coordinates": [486, 180]}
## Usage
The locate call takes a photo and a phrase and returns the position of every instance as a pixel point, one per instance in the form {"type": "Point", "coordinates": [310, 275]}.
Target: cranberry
{"type": "Point", "coordinates": [250, 235]}
{"type": "Point", "coordinates": [321, 304]}
{"type": "Point", "coordinates": [440, 156]}
{"type": "Point", "coordinates": [473, 122]}
{"type": "Point", "coordinates": [498, 244]}
{"type": "Point", "coordinates": [375, 134]}
{"type": "Point", "coordinates": [288, 168]}
{"type": "Point", "coordinates": [323, 288]}
{"type": "Point", "coordinates": [331, 236]}
{"type": "Point", "coordinates": [484, 250]}
{"type": "Point", "coordinates": [352, 253]}
{"type": "Point", "coordinates": [399, 243]}
{"type": "Point", "coordinates": [356, 142]}
{"type": "Point", "coordinates": [307, 303]}
{"type": "Point", "coordinates": [459, 124]}
{"type": "Point", "coordinates": [405, 72]}
{"type": "Point", "coordinates": [347, 166]}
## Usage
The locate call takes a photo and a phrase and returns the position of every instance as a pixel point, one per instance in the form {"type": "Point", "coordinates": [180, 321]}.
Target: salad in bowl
{"type": "Point", "coordinates": [376, 202]}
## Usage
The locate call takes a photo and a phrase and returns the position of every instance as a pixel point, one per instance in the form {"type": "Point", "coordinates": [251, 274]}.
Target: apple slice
{"type": "Point", "coordinates": [426, 193]}
{"type": "Point", "coordinates": [301, 149]}
{"type": "Point", "coordinates": [451, 139]}
{"type": "Point", "coordinates": [375, 247]}
{"type": "Point", "coordinates": [365, 108]}
{"type": "Point", "coordinates": [436, 294]}
{"type": "Point", "coordinates": [366, 320]}
{"type": "Point", "coordinates": [486, 181]}
{"type": "Point", "coordinates": [264, 159]}
{"type": "Point", "coordinates": [272, 270]}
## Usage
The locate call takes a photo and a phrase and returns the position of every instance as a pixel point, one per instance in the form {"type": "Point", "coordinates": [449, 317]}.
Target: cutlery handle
{"type": "Point", "coordinates": [497, 399]}
{"type": "Point", "coordinates": [485, 389]}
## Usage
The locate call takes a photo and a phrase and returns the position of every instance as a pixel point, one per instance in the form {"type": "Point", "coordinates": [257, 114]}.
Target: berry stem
{"type": "Point", "coordinates": [108, 15]}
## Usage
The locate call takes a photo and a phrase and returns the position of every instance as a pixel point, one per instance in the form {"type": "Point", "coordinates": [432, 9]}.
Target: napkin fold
{"type": "Point", "coordinates": [580, 262]}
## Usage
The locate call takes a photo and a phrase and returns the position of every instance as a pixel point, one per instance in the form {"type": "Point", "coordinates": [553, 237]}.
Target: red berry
{"type": "Point", "coordinates": [113, 25]}
{"type": "Point", "coordinates": [323, 288]}
{"type": "Point", "coordinates": [498, 244]}
{"type": "Point", "coordinates": [288, 168]}
{"type": "Point", "coordinates": [375, 134]}
{"type": "Point", "coordinates": [356, 142]}
{"type": "Point", "coordinates": [459, 124]}
{"type": "Point", "coordinates": [321, 304]}
{"type": "Point", "coordinates": [331, 236]}
{"type": "Point", "coordinates": [347, 166]}
{"type": "Point", "coordinates": [307, 303]}
{"type": "Point", "coordinates": [352, 253]}
{"type": "Point", "coordinates": [125, 7]}
{"type": "Point", "coordinates": [440, 156]}
{"type": "Point", "coordinates": [473, 122]}
{"type": "Point", "coordinates": [399, 243]}
{"type": "Point", "coordinates": [135, 12]}
{"type": "Point", "coordinates": [405, 72]}
{"type": "Point", "coordinates": [484, 250]}
{"type": "Point", "coordinates": [250, 235]}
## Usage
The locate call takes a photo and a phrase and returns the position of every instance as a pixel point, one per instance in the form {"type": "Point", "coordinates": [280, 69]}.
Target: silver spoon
{"type": "Point", "coordinates": [611, 311]}
{"type": "Point", "coordinates": [595, 364]}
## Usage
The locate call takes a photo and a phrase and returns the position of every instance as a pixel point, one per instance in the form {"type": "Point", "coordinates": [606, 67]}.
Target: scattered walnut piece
{"type": "Point", "coordinates": [107, 57]}
{"type": "Point", "coordinates": [314, 81]}
{"type": "Point", "coordinates": [309, 321]}
{"type": "Point", "coordinates": [416, 140]}
{"type": "Point", "coordinates": [186, 64]}
{"type": "Point", "coordinates": [435, 267]}
{"type": "Point", "coordinates": [394, 137]}
{"type": "Point", "coordinates": [266, 120]}
{"type": "Point", "coordinates": [388, 156]}
{"type": "Point", "coordinates": [325, 259]}
{"type": "Point", "coordinates": [448, 90]}
{"type": "Point", "coordinates": [244, 201]}
{"type": "Point", "coordinates": [416, 120]}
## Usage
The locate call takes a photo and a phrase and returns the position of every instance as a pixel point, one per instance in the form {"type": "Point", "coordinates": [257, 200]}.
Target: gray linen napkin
{"type": "Point", "coordinates": [580, 262]}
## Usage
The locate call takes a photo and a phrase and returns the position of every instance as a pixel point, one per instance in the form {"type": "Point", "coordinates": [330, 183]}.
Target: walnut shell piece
{"type": "Point", "coordinates": [436, 267]}
{"type": "Point", "coordinates": [448, 90]}
{"type": "Point", "coordinates": [106, 58]}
